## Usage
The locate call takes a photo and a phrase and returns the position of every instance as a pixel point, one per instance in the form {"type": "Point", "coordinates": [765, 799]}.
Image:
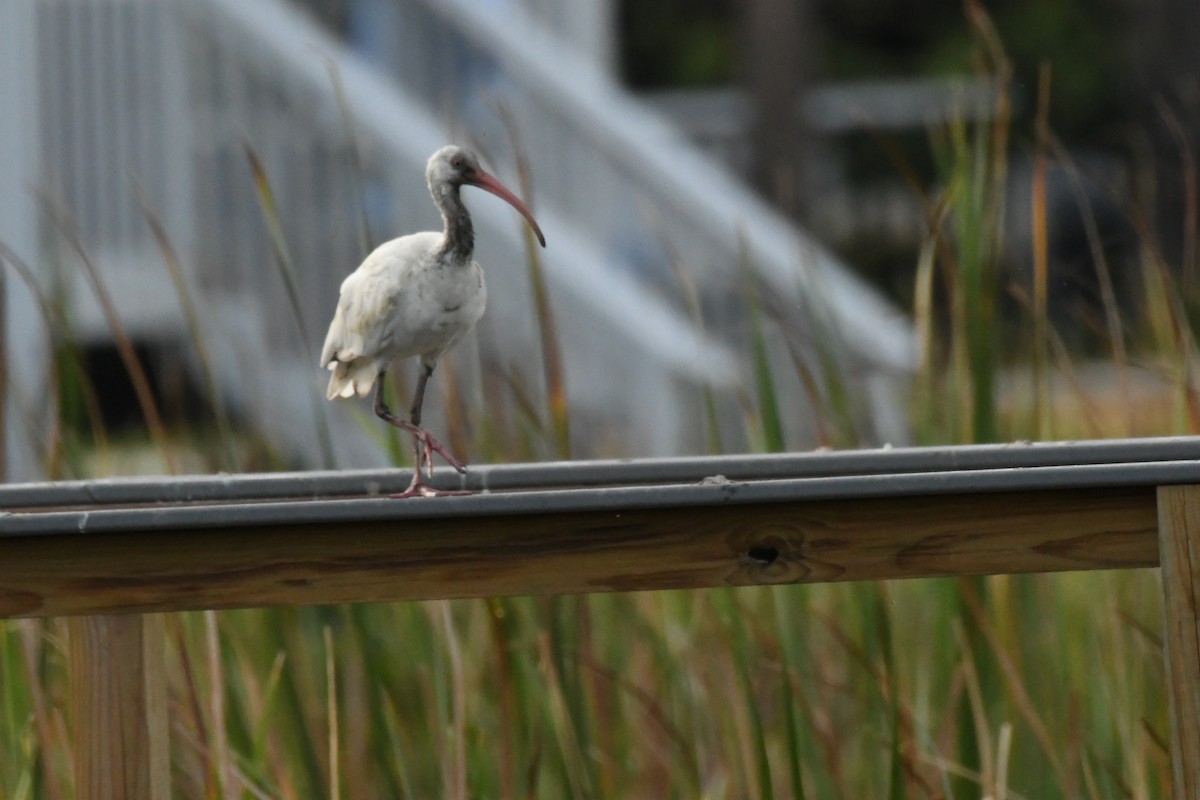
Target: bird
{"type": "Point", "coordinates": [416, 295]}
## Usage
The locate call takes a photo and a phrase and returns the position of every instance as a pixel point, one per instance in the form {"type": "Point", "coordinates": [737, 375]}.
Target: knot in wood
{"type": "Point", "coordinates": [767, 554]}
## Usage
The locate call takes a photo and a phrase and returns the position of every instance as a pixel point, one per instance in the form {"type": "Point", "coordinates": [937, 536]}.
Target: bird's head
{"type": "Point", "coordinates": [454, 166]}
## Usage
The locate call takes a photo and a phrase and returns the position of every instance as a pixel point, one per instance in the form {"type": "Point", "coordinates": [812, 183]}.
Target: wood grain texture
{"type": "Point", "coordinates": [119, 707]}
{"type": "Point", "coordinates": [1179, 512]}
{"type": "Point", "coordinates": [560, 553]}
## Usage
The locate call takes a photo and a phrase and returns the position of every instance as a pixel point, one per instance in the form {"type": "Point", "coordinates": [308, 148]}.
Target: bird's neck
{"type": "Point", "coordinates": [458, 242]}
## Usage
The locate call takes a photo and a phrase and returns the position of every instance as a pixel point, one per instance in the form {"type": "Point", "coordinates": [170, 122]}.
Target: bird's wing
{"type": "Point", "coordinates": [352, 350]}
{"type": "Point", "coordinates": [361, 317]}
{"type": "Point", "coordinates": [369, 297]}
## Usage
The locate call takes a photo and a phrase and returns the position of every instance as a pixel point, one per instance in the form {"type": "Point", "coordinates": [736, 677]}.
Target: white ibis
{"type": "Point", "coordinates": [414, 296]}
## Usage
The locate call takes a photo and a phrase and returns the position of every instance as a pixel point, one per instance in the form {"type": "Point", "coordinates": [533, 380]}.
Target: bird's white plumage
{"type": "Point", "coordinates": [415, 296]}
{"type": "Point", "coordinates": [406, 299]}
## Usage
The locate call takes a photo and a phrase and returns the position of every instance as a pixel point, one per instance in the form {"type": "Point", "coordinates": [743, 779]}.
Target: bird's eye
{"type": "Point", "coordinates": [456, 162]}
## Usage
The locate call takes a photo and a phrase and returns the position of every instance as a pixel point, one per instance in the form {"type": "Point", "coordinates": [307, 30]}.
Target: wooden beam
{"type": "Point", "coordinates": [1179, 514]}
{"type": "Point", "coordinates": [119, 707]}
{"type": "Point", "coordinates": [604, 549]}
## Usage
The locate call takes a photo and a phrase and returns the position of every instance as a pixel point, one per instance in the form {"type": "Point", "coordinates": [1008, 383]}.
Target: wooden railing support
{"type": "Point", "coordinates": [119, 707]}
{"type": "Point", "coordinates": [1179, 555]}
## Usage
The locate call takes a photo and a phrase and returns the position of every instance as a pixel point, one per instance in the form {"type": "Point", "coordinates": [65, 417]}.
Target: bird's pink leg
{"type": "Point", "coordinates": [424, 444]}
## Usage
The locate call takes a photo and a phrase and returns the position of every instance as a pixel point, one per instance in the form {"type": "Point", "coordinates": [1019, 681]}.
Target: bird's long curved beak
{"type": "Point", "coordinates": [489, 184]}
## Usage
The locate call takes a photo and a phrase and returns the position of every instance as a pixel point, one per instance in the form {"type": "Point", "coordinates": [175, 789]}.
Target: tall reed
{"type": "Point", "coordinates": [287, 273]}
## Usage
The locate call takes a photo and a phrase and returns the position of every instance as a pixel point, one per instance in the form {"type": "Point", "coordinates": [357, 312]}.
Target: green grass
{"type": "Point", "coordinates": [673, 694]}
{"type": "Point", "coordinates": [1041, 687]}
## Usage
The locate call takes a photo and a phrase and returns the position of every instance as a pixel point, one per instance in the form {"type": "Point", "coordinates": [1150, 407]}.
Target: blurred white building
{"type": "Point", "coordinates": [97, 96]}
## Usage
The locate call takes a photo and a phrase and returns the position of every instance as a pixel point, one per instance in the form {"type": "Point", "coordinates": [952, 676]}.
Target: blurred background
{"type": "Point", "coordinates": [771, 224]}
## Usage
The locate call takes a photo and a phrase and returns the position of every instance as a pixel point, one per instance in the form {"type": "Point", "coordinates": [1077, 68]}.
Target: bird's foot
{"type": "Point", "coordinates": [424, 446]}
{"type": "Point", "coordinates": [419, 488]}
{"type": "Point", "coordinates": [425, 490]}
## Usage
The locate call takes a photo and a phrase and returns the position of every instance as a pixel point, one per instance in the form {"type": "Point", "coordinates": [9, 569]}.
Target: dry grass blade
{"type": "Point", "coordinates": [756, 756]}
{"type": "Point", "coordinates": [932, 412]}
{"type": "Point", "coordinates": [56, 322]}
{"type": "Point", "coordinates": [691, 300]}
{"type": "Point", "coordinates": [552, 363]}
{"type": "Point", "coordinates": [768, 401]}
{"type": "Point", "coordinates": [454, 407]}
{"type": "Point", "coordinates": [560, 713]}
{"type": "Point", "coordinates": [331, 711]}
{"type": "Point", "coordinates": [1115, 326]}
{"type": "Point", "coordinates": [1184, 347]}
{"type": "Point", "coordinates": [1165, 320]}
{"type": "Point", "coordinates": [49, 742]}
{"type": "Point", "coordinates": [983, 166]}
{"type": "Point", "coordinates": [792, 695]}
{"type": "Point", "coordinates": [221, 756]}
{"type": "Point", "coordinates": [499, 637]}
{"type": "Point", "coordinates": [1104, 275]}
{"type": "Point", "coordinates": [356, 162]}
{"type": "Point", "coordinates": [267, 743]}
{"type": "Point", "coordinates": [198, 733]}
{"type": "Point", "coordinates": [798, 347]}
{"type": "Point", "coordinates": [125, 349]}
{"type": "Point", "coordinates": [283, 258]}
{"type": "Point", "coordinates": [192, 320]}
{"type": "Point", "coordinates": [458, 763]}
{"type": "Point", "coordinates": [978, 716]}
{"type": "Point", "coordinates": [1012, 676]}
{"type": "Point", "coordinates": [1062, 360]}
{"type": "Point", "coordinates": [1191, 188]}
{"type": "Point", "coordinates": [283, 261]}
{"type": "Point", "coordinates": [652, 705]}
{"type": "Point", "coordinates": [526, 411]}
{"type": "Point", "coordinates": [1041, 259]}
{"type": "Point", "coordinates": [1003, 750]}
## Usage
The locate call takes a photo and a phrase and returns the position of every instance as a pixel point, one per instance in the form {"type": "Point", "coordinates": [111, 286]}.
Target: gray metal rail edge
{"type": "Point", "coordinates": [193, 502]}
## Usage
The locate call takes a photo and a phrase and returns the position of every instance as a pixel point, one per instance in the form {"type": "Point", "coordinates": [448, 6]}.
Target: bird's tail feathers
{"type": "Point", "coordinates": [351, 378]}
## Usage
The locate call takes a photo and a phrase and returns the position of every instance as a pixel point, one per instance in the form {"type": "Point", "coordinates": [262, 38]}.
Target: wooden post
{"type": "Point", "coordinates": [1179, 554]}
{"type": "Point", "coordinates": [119, 707]}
